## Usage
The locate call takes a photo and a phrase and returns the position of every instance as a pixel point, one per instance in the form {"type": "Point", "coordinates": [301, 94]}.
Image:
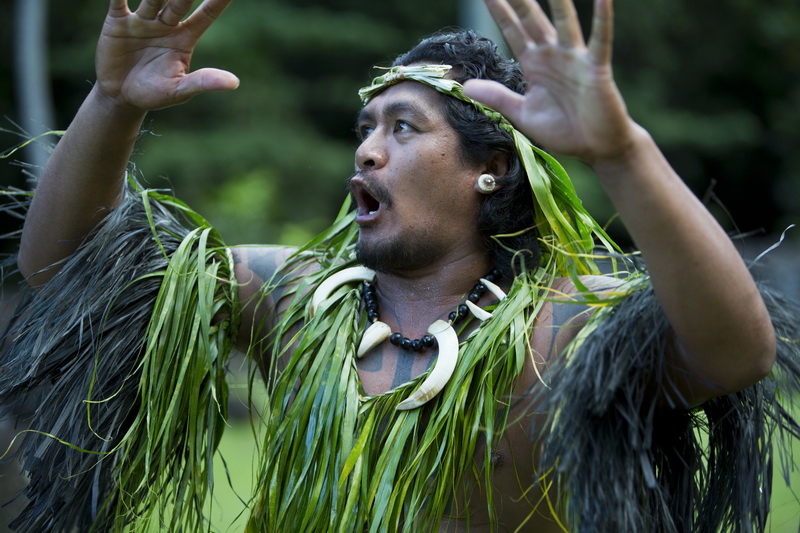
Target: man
{"type": "Point", "coordinates": [357, 437]}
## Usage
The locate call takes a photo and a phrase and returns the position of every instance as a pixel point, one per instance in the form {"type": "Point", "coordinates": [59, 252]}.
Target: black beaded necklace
{"type": "Point", "coordinates": [427, 341]}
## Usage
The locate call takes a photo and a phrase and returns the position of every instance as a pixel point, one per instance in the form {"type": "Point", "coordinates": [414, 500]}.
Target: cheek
{"type": "Point", "coordinates": [456, 201]}
{"type": "Point", "coordinates": [436, 184]}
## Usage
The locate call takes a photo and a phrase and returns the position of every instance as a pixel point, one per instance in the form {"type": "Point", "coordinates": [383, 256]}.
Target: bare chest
{"type": "Point", "coordinates": [518, 497]}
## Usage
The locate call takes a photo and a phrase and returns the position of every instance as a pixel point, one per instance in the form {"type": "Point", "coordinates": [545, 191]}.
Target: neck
{"type": "Point", "coordinates": [411, 300]}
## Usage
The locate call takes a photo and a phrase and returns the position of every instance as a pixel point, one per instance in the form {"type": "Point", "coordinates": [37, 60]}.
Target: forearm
{"type": "Point", "coordinates": [698, 275]}
{"type": "Point", "coordinates": [82, 181]}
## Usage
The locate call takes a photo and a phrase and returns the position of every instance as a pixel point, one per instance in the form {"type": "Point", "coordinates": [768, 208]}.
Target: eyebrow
{"type": "Point", "coordinates": [394, 109]}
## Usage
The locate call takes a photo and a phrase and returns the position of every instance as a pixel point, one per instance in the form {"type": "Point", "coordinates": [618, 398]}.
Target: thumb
{"type": "Point", "coordinates": [207, 80]}
{"type": "Point", "coordinates": [495, 95]}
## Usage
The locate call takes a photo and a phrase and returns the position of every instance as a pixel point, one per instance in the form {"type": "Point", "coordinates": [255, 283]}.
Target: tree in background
{"type": "Point", "coordinates": [718, 86]}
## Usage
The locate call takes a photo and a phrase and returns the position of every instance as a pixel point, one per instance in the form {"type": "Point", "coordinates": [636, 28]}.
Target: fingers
{"type": "Point", "coordinates": [174, 11]}
{"type": "Point", "coordinates": [495, 95]}
{"type": "Point", "coordinates": [118, 6]}
{"type": "Point", "coordinates": [521, 22]}
{"type": "Point", "coordinates": [565, 19]}
{"type": "Point", "coordinates": [206, 80]}
{"type": "Point", "coordinates": [149, 9]}
{"type": "Point", "coordinates": [600, 43]}
{"type": "Point", "coordinates": [205, 15]}
{"type": "Point", "coordinates": [508, 22]}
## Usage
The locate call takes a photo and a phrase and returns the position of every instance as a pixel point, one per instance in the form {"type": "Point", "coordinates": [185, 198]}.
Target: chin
{"type": "Point", "coordinates": [393, 255]}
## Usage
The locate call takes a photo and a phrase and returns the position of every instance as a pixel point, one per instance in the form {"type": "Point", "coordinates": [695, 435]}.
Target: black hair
{"type": "Point", "coordinates": [509, 210]}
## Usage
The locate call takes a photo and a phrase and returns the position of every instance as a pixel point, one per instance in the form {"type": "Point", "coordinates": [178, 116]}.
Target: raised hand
{"type": "Point", "coordinates": [143, 57]}
{"type": "Point", "coordinates": [572, 105]}
{"type": "Point", "coordinates": [725, 339]}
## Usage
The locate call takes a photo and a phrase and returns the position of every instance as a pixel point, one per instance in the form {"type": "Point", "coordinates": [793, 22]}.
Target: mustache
{"type": "Point", "coordinates": [372, 187]}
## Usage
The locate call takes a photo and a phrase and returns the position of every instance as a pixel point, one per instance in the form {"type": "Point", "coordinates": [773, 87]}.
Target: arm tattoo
{"type": "Point", "coordinates": [564, 315]}
{"type": "Point", "coordinates": [264, 263]}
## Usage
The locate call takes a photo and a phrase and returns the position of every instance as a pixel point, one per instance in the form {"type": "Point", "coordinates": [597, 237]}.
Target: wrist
{"type": "Point", "coordinates": [638, 144]}
{"type": "Point", "coordinates": [115, 107]}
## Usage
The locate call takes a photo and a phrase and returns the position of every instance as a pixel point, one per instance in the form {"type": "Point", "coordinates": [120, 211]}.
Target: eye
{"type": "Point", "coordinates": [363, 131]}
{"type": "Point", "coordinates": [403, 126]}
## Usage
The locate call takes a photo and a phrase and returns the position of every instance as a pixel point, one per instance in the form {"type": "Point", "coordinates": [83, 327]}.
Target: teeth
{"type": "Point", "coordinates": [375, 334]}
{"type": "Point", "coordinates": [337, 280]}
{"type": "Point", "coordinates": [373, 212]}
{"type": "Point", "coordinates": [447, 340]}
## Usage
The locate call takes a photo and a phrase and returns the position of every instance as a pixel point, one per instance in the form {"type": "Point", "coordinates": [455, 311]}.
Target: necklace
{"type": "Point", "coordinates": [440, 333]}
{"type": "Point", "coordinates": [427, 341]}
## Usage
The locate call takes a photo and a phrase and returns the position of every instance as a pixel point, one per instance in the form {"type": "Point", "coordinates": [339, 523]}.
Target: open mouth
{"type": "Point", "coordinates": [367, 202]}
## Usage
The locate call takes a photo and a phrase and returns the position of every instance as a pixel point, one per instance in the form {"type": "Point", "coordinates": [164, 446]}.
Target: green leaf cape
{"type": "Point", "coordinates": [123, 355]}
{"type": "Point", "coordinates": [125, 359]}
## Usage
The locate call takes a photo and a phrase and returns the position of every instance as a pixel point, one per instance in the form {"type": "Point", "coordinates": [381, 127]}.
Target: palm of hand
{"type": "Point", "coordinates": [142, 63]}
{"type": "Point", "coordinates": [143, 57]}
{"type": "Point", "coordinates": [571, 106]}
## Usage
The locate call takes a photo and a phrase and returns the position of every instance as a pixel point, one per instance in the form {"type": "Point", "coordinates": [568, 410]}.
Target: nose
{"type": "Point", "coordinates": [371, 154]}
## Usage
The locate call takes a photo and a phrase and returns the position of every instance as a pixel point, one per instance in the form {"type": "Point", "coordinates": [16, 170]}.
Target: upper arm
{"type": "Point", "coordinates": [688, 385]}
{"type": "Point", "coordinates": [256, 270]}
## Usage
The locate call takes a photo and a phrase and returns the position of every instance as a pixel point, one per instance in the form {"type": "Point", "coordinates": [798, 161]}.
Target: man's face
{"type": "Point", "coordinates": [416, 196]}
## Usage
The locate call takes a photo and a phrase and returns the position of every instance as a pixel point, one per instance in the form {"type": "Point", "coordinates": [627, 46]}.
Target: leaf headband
{"type": "Point", "coordinates": [567, 230]}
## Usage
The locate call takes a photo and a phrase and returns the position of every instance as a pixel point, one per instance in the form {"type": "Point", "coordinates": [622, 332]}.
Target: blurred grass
{"type": "Point", "coordinates": [227, 512]}
{"type": "Point", "coordinates": [229, 515]}
{"type": "Point", "coordinates": [785, 514]}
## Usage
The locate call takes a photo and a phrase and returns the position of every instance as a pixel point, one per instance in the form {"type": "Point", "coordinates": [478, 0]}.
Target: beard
{"type": "Point", "coordinates": [400, 253]}
{"type": "Point", "coordinates": [408, 250]}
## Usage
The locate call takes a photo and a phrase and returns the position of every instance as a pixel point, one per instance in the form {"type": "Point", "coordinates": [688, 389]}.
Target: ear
{"type": "Point", "coordinates": [496, 166]}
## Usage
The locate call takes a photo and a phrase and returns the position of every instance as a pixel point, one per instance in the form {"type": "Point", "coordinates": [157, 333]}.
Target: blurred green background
{"type": "Point", "coordinates": [717, 84]}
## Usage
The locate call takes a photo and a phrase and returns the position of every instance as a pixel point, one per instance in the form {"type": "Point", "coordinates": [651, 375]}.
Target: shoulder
{"type": "Point", "coordinates": [570, 301]}
{"type": "Point", "coordinates": [255, 265]}
{"type": "Point", "coordinates": [571, 289]}
{"type": "Point", "coordinates": [568, 305]}
{"type": "Point", "coordinates": [264, 274]}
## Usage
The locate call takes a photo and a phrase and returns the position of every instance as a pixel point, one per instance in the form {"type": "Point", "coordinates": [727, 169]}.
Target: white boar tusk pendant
{"type": "Point", "coordinates": [494, 289]}
{"type": "Point", "coordinates": [332, 283]}
{"type": "Point", "coordinates": [376, 333]}
{"type": "Point", "coordinates": [479, 313]}
{"type": "Point", "coordinates": [447, 339]}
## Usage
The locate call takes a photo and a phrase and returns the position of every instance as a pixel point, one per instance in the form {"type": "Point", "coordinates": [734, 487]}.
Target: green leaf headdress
{"type": "Point", "coordinates": [566, 229]}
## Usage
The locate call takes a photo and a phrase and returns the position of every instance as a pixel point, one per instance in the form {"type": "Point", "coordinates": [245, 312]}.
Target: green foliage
{"type": "Point", "coordinates": [357, 480]}
{"type": "Point", "coordinates": [184, 394]}
{"type": "Point", "coordinates": [718, 86]}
